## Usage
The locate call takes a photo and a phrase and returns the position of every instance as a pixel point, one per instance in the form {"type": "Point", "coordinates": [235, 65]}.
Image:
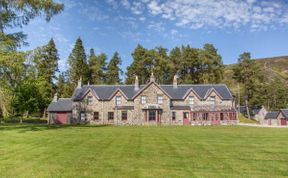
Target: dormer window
{"type": "Point", "coordinates": [143, 99]}
{"type": "Point", "coordinates": [159, 99]}
{"type": "Point", "coordinates": [118, 100]}
{"type": "Point", "coordinates": [212, 100]}
{"type": "Point", "coordinates": [90, 100]}
{"type": "Point", "coordinates": [191, 100]}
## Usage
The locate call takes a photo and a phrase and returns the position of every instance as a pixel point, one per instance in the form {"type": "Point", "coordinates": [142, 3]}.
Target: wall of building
{"type": "Point", "coordinates": [136, 116]}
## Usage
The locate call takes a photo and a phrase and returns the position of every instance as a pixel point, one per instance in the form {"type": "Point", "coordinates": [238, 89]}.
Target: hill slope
{"type": "Point", "coordinates": [273, 67]}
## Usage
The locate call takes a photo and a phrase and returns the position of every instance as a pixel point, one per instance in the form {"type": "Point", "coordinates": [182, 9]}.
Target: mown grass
{"type": "Point", "coordinates": [110, 151]}
{"type": "Point", "coordinates": [244, 119]}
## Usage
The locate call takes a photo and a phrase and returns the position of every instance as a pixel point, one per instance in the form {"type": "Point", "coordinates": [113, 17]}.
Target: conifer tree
{"type": "Point", "coordinates": [78, 63]}
{"type": "Point", "coordinates": [141, 66]}
{"type": "Point", "coordinates": [97, 67]}
{"type": "Point", "coordinates": [113, 70]}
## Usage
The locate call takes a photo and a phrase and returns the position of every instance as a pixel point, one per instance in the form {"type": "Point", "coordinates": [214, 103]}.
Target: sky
{"type": "Point", "coordinates": [232, 26]}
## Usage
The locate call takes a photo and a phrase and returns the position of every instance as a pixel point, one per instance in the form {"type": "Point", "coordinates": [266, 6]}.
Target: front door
{"type": "Point", "coordinates": [186, 120]}
{"type": "Point", "coordinates": [152, 115]}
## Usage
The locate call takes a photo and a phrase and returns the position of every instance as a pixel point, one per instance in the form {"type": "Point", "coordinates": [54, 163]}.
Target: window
{"type": "Point", "coordinates": [152, 115]}
{"type": "Point", "coordinates": [143, 99]}
{"type": "Point", "coordinates": [110, 115]}
{"type": "Point", "coordinates": [186, 115]}
{"type": "Point", "coordinates": [191, 100]}
{"type": "Point", "coordinates": [96, 115]}
{"type": "Point", "coordinates": [173, 116]}
{"type": "Point", "coordinates": [124, 115]}
{"type": "Point", "coordinates": [160, 99]}
{"type": "Point", "coordinates": [82, 116]}
{"type": "Point", "coordinates": [118, 100]}
{"type": "Point", "coordinates": [212, 100]}
{"type": "Point", "coordinates": [89, 100]}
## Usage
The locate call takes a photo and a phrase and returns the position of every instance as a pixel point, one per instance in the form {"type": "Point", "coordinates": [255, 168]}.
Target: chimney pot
{"type": "Point", "coordinates": [136, 83]}
{"type": "Point", "coordinates": [175, 81]}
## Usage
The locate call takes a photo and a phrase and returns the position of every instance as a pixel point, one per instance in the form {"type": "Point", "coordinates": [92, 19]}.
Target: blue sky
{"type": "Point", "coordinates": [234, 26]}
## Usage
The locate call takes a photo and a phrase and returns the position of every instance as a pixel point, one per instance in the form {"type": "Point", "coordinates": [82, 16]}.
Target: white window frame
{"type": "Point", "coordinates": [118, 100]}
{"type": "Point", "coordinates": [212, 100]}
{"type": "Point", "coordinates": [82, 116]}
{"type": "Point", "coordinates": [89, 100]}
{"type": "Point", "coordinates": [160, 99]}
{"type": "Point", "coordinates": [191, 100]}
{"type": "Point", "coordinates": [143, 99]}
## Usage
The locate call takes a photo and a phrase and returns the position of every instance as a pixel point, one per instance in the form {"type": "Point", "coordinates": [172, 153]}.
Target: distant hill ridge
{"type": "Point", "coordinates": [273, 66]}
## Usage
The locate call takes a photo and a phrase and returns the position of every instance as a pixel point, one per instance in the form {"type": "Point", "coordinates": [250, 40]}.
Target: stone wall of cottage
{"type": "Point", "coordinates": [136, 116]}
{"type": "Point", "coordinates": [152, 92]}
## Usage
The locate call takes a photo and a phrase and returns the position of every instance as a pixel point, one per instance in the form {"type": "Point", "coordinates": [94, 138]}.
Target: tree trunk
{"type": "Point", "coordinates": [247, 109]}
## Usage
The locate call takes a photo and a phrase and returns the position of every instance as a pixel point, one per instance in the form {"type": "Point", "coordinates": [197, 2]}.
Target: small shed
{"type": "Point", "coordinates": [282, 117]}
{"type": "Point", "coordinates": [60, 111]}
{"type": "Point", "coordinates": [271, 118]}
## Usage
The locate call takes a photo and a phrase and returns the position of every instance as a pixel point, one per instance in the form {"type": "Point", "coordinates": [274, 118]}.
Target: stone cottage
{"type": "Point", "coordinates": [149, 104]}
{"type": "Point", "coordinates": [278, 118]}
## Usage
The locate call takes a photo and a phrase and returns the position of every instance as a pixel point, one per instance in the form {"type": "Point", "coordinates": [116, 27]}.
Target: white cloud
{"type": "Point", "coordinates": [154, 7]}
{"type": "Point", "coordinates": [93, 13]}
{"type": "Point", "coordinates": [137, 8]}
{"type": "Point", "coordinates": [195, 14]}
{"type": "Point", "coordinates": [126, 4]}
{"type": "Point", "coordinates": [157, 26]}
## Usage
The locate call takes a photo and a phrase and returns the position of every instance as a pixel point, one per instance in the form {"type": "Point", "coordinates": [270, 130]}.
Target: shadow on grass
{"type": "Point", "coordinates": [41, 127]}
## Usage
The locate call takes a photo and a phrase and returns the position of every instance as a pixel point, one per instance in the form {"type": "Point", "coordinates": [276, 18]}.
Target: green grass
{"type": "Point", "coordinates": [244, 119]}
{"type": "Point", "coordinates": [110, 151]}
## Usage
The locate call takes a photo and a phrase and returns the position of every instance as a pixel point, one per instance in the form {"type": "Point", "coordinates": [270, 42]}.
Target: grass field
{"type": "Point", "coordinates": [110, 151]}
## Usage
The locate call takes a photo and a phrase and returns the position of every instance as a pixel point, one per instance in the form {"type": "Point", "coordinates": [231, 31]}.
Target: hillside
{"type": "Point", "coordinates": [273, 67]}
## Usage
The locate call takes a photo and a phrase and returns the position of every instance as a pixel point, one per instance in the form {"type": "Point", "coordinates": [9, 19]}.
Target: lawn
{"type": "Point", "coordinates": [130, 151]}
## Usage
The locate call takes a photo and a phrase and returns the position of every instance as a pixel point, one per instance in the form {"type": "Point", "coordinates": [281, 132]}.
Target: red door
{"type": "Point", "coordinates": [61, 118]}
{"type": "Point", "coordinates": [283, 122]}
{"type": "Point", "coordinates": [186, 120]}
{"type": "Point", "coordinates": [269, 121]}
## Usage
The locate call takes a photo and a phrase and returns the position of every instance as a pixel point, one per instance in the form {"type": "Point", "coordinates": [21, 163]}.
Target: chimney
{"type": "Point", "coordinates": [79, 83]}
{"type": "Point", "coordinates": [152, 78]}
{"type": "Point", "coordinates": [55, 98]}
{"type": "Point", "coordinates": [136, 83]}
{"type": "Point", "coordinates": [175, 81]}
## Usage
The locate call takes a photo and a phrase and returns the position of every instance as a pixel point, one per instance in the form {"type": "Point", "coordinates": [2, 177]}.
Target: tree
{"type": "Point", "coordinates": [113, 70]}
{"type": "Point", "coordinates": [64, 88]}
{"type": "Point", "coordinates": [46, 61]}
{"type": "Point", "coordinates": [97, 67]}
{"type": "Point", "coordinates": [17, 13]}
{"type": "Point", "coordinates": [26, 99]}
{"type": "Point", "coordinates": [212, 65]}
{"type": "Point", "coordinates": [248, 73]}
{"type": "Point", "coordinates": [78, 63]}
{"type": "Point", "coordinates": [141, 66]}
{"type": "Point", "coordinates": [160, 63]}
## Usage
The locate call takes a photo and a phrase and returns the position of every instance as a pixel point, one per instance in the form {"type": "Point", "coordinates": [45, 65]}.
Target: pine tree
{"type": "Point", "coordinates": [248, 73]}
{"type": "Point", "coordinates": [46, 60]}
{"type": "Point", "coordinates": [113, 70]}
{"type": "Point", "coordinates": [61, 85]}
{"type": "Point", "coordinates": [141, 66]}
{"type": "Point", "coordinates": [97, 67]}
{"type": "Point", "coordinates": [78, 63]}
{"type": "Point", "coordinates": [19, 13]}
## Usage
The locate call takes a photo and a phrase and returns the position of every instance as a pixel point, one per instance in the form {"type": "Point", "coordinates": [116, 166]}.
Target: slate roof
{"type": "Point", "coordinates": [63, 104]}
{"type": "Point", "coordinates": [271, 115]}
{"type": "Point", "coordinates": [285, 113]}
{"type": "Point", "coordinates": [104, 92]}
